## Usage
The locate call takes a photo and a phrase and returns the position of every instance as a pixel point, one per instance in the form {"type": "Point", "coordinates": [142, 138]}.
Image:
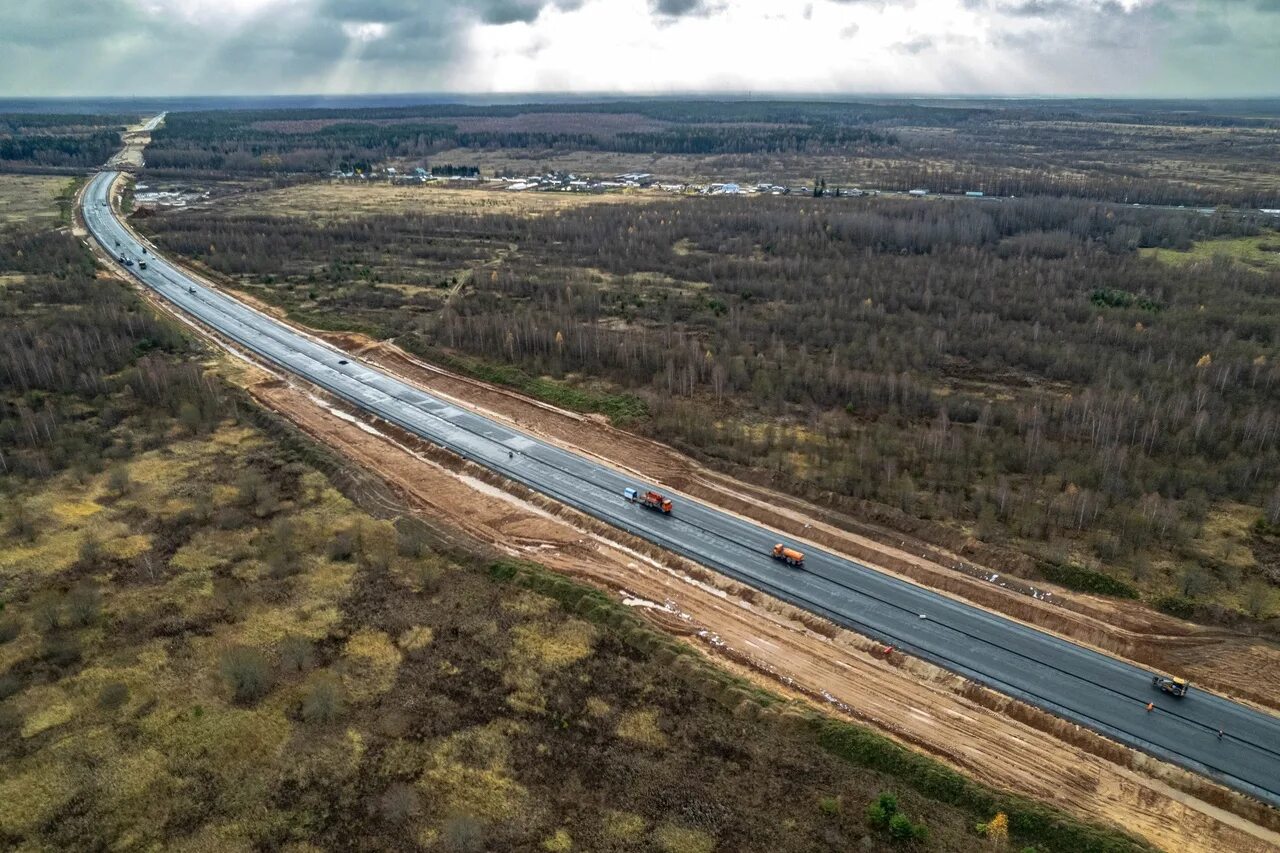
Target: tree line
{"type": "Point", "coordinates": [67, 337]}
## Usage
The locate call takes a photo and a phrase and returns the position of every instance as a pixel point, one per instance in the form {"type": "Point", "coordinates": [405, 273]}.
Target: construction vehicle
{"type": "Point", "coordinates": [790, 556]}
{"type": "Point", "coordinates": [1177, 687]}
{"type": "Point", "coordinates": [652, 500]}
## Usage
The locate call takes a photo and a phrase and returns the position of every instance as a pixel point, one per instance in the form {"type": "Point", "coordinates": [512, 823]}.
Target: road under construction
{"type": "Point", "coordinates": [1085, 686]}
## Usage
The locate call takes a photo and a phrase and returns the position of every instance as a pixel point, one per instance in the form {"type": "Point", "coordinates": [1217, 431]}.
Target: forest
{"type": "Point", "coordinates": [62, 141]}
{"type": "Point", "coordinates": [253, 142]}
{"type": "Point", "coordinates": [1176, 153]}
{"type": "Point", "coordinates": [1023, 371]}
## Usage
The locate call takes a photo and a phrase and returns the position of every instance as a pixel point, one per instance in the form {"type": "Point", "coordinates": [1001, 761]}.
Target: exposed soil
{"type": "Point", "coordinates": [135, 141]}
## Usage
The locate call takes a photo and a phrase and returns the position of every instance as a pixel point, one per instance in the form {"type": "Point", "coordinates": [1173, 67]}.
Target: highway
{"type": "Point", "coordinates": [1087, 687]}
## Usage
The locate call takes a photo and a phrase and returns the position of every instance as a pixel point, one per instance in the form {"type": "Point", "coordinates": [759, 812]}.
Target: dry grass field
{"type": "Point", "coordinates": [30, 199]}
{"type": "Point", "coordinates": [330, 201]}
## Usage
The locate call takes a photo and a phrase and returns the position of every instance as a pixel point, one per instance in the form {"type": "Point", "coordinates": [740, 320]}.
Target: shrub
{"type": "Point", "coordinates": [881, 810]}
{"type": "Point", "coordinates": [429, 575]}
{"type": "Point", "coordinates": [10, 722]}
{"type": "Point", "coordinates": [296, 654]}
{"type": "Point", "coordinates": [399, 803]}
{"type": "Point", "coordinates": [462, 834]}
{"type": "Point", "coordinates": [118, 481]}
{"type": "Point", "coordinates": [23, 523]}
{"type": "Point", "coordinates": [1085, 580]}
{"type": "Point", "coordinates": [84, 605]}
{"type": "Point", "coordinates": [411, 541]}
{"type": "Point", "coordinates": [900, 827]}
{"type": "Point", "coordinates": [247, 673]}
{"type": "Point", "coordinates": [282, 564]}
{"type": "Point", "coordinates": [60, 651]}
{"type": "Point", "coordinates": [343, 545]}
{"type": "Point", "coordinates": [90, 552]}
{"type": "Point", "coordinates": [46, 614]}
{"type": "Point", "coordinates": [9, 629]}
{"type": "Point", "coordinates": [282, 550]}
{"type": "Point", "coordinates": [113, 696]}
{"type": "Point", "coordinates": [230, 518]}
{"type": "Point", "coordinates": [829, 806]}
{"type": "Point", "coordinates": [9, 685]}
{"type": "Point", "coordinates": [323, 702]}
{"type": "Point", "coordinates": [1176, 605]}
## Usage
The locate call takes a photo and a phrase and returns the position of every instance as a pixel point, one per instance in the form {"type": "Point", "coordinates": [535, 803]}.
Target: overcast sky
{"type": "Point", "coordinates": [1056, 47]}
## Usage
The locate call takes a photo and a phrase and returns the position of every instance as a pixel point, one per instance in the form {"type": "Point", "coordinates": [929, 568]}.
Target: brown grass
{"type": "Point", "coordinates": [334, 200]}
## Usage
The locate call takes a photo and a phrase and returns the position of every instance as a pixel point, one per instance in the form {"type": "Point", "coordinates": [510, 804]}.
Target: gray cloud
{"type": "Point", "coordinates": [914, 46]}
{"type": "Point", "coordinates": [683, 8]}
{"type": "Point", "coordinates": [511, 11]}
{"type": "Point", "coordinates": [373, 11]}
{"type": "Point", "coordinates": [92, 47]}
{"type": "Point", "coordinates": [1038, 8]}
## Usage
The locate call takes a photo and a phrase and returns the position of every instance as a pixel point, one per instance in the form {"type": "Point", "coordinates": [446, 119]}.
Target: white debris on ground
{"type": "Point", "coordinates": [712, 638]}
{"type": "Point", "coordinates": [630, 601]}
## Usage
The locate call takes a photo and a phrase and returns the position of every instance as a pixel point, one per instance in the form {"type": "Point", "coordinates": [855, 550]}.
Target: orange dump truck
{"type": "Point", "coordinates": [652, 500]}
{"type": "Point", "coordinates": [790, 556]}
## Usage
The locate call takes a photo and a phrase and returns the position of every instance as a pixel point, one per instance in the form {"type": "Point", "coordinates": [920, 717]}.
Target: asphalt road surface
{"type": "Point", "coordinates": [1093, 689]}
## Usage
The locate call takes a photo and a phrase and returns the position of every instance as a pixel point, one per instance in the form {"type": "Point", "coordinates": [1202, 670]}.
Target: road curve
{"type": "Point", "coordinates": [1087, 687]}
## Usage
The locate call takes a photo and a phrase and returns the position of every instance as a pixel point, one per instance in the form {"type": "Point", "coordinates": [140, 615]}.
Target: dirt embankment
{"type": "Point", "coordinates": [1236, 665]}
